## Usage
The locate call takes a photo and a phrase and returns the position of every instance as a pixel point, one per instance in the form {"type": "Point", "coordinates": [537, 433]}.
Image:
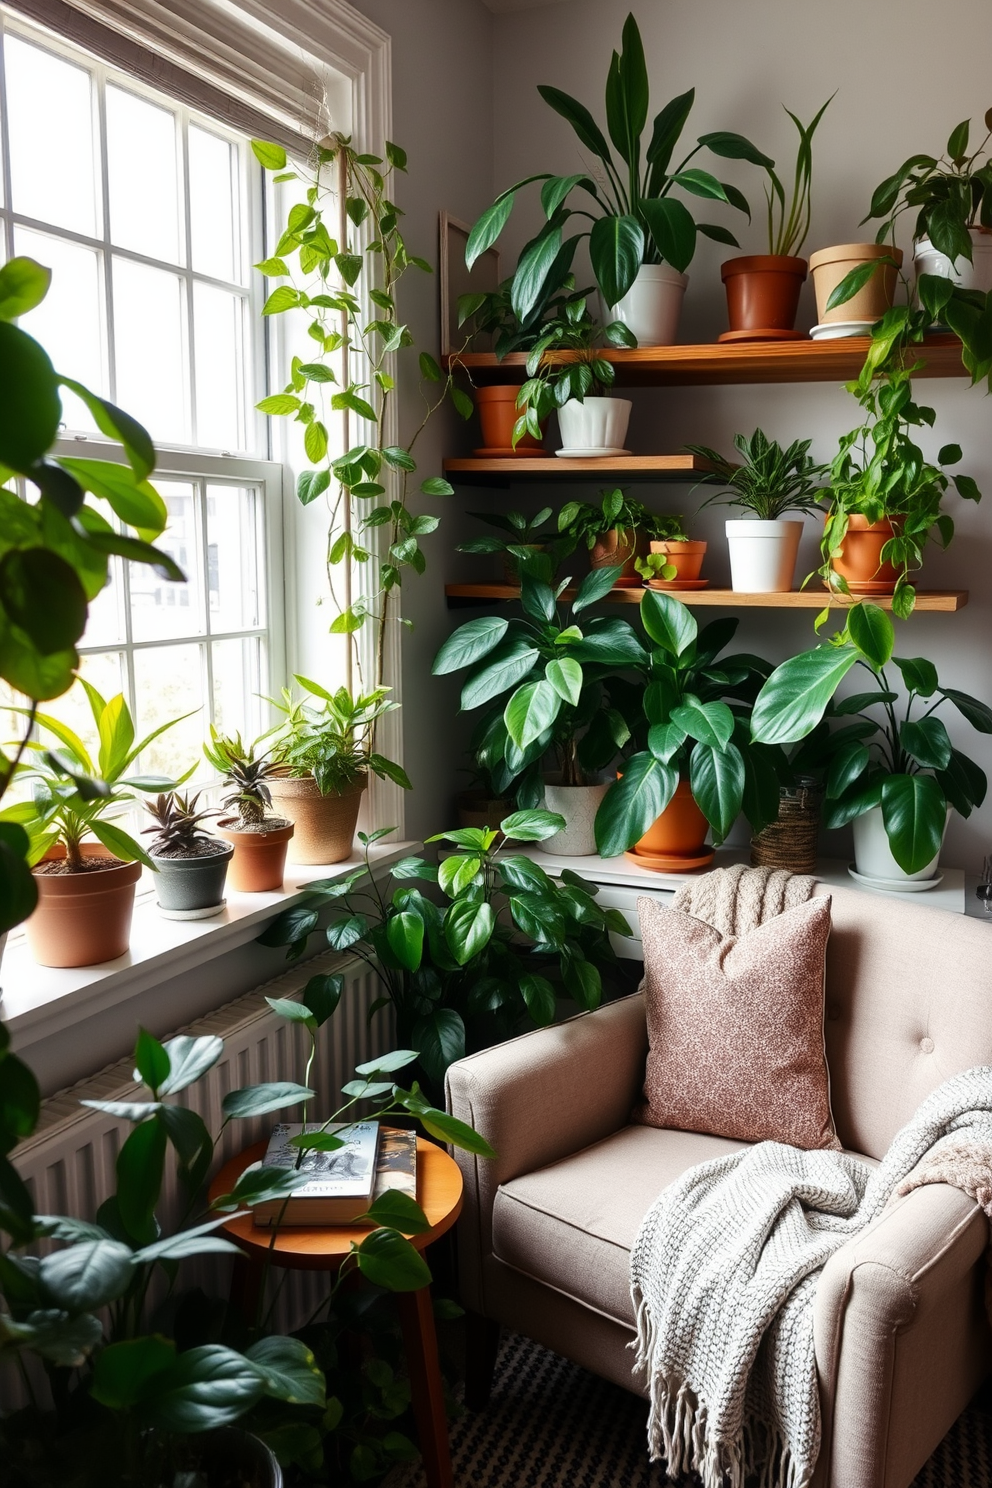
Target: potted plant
{"type": "Point", "coordinates": [616, 533]}
{"type": "Point", "coordinates": [854, 284]}
{"type": "Point", "coordinates": [642, 238]}
{"type": "Point", "coordinates": [763, 289]}
{"type": "Point", "coordinates": [590, 424]}
{"type": "Point", "coordinates": [259, 838]}
{"type": "Point", "coordinates": [326, 750]}
{"type": "Point", "coordinates": [899, 778]}
{"type": "Point", "coordinates": [85, 887]}
{"type": "Point", "coordinates": [674, 561]}
{"type": "Point", "coordinates": [523, 538]}
{"type": "Point", "coordinates": [768, 482]}
{"type": "Point", "coordinates": [690, 764]}
{"type": "Point", "coordinates": [952, 231]}
{"type": "Point", "coordinates": [488, 956]}
{"type": "Point", "coordinates": [191, 865]}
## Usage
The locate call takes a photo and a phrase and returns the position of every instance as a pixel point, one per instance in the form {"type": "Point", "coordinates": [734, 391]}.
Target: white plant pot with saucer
{"type": "Point", "coordinates": [578, 804]}
{"type": "Point", "coordinates": [763, 554]}
{"type": "Point", "coordinates": [974, 275]}
{"type": "Point", "coordinates": [873, 855]}
{"type": "Point", "coordinates": [596, 426]}
{"type": "Point", "coordinates": [653, 304]}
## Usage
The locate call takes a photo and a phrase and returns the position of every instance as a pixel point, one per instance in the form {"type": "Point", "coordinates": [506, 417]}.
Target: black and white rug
{"type": "Point", "coordinates": [552, 1425]}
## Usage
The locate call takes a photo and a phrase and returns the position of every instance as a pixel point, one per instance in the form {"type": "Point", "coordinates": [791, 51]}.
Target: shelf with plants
{"type": "Point", "coordinates": [944, 601]}
{"type": "Point", "coordinates": [504, 469]}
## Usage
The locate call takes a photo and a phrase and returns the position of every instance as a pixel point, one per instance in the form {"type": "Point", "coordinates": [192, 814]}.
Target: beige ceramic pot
{"type": "Point", "coordinates": [259, 861]}
{"type": "Point", "coordinates": [82, 919]}
{"type": "Point", "coordinates": [831, 265]}
{"type": "Point", "coordinates": [324, 825]}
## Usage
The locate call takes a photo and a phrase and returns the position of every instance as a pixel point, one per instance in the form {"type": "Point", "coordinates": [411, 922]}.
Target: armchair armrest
{"type": "Point", "coordinates": [900, 1337]}
{"type": "Point", "coordinates": [536, 1099]}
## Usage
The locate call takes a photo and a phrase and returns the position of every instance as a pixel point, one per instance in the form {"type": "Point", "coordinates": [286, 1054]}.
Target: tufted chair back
{"type": "Point", "coordinates": [908, 1003]}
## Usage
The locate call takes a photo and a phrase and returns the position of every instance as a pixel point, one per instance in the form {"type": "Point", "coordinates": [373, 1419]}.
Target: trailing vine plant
{"type": "Point", "coordinates": [324, 276]}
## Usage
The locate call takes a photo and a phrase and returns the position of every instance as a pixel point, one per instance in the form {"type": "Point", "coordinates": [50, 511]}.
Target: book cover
{"type": "Point", "coordinates": [396, 1167]}
{"type": "Point", "coordinates": [339, 1185]}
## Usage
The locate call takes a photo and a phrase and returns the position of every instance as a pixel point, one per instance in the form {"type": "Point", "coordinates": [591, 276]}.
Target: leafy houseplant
{"type": "Point", "coordinates": [492, 314]}
{"type": "Point", "coordinates": [259, 838]}
{"type": "Point", "coordinates": [616, 532]}
{"type": "Point", "coordinates": [191, 865]}
{"type": "Point", "coordinates": [763, 289]}
{"type": "Point", "coordinates": [901, 773]}
{"type": "Point", "coordinates": [523, 538]}
{"type": "Point", "coordinates": [768, 482]}
{"type": "Point", "coordinates": [460, 975]}
{"type": "Point", "coordinates": [595, 424]}
{"type": "Point", "coordinates": [637, 221]}
{"type": "Point", "coordinates": [326, 750]}
{"type": "Point", "coordinates": [952, 198]}
{"type": "Point", "coordinates": [350, 366]}
{"type": "Point", "coordinates": [85, 888]}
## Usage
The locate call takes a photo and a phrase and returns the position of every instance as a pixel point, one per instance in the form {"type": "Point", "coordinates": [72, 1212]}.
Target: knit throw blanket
{"type": "Point", "coordinates": [737, 900]}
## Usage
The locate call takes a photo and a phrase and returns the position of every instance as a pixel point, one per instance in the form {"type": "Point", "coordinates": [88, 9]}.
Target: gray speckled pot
{"type": "Point", "coordinates": [192, 883]}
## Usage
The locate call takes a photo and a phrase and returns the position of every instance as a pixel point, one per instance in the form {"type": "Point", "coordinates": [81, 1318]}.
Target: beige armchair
{"type": "Point", "coordinates": [902, 1337]}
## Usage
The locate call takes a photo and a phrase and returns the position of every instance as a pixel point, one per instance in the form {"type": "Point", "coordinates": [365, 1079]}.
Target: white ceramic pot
{"type": "Point", "coordinates": [763, 554]}
{"type": "Point", "coordinates": [873, 856]}
{"type": "Point", "coordinates": [578, 804]}
{"type": "Point", "coordinates": [653, 304]}
{"type": "Point", "coordinates": [594, 424]}
{"type": "Point", "coordinates": [974, 275]}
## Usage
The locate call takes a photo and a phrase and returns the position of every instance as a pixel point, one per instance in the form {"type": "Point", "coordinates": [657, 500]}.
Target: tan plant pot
{"type": "Point", "coordinates": [860, 558]}
{"type": "Point", "coordinates": [619, 545]}
{"type": "Point", "coordinates": [685, 557]}
{"type": "Point", "coordinates": [325, 825]}
{"type": "Point", "coordinates": [82, 919]}
{"type": "Point", "coordinates": [259, 861]}
{"type": "Point", "coordinates": [831, 265]}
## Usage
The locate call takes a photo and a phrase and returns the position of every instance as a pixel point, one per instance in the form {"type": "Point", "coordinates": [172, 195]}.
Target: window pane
{"type": "Point", "coordinates": [69, 322]}
{"type": "Point", "coordinates": [234, 538]}
{"type": "Point", "coordinates": [168, 682]}
{"type": "Point", "coordinates": [105, 672]}
{"type": "Point", "coordinates": [213, 205]}
{"type": "Point", "coordinates": [150, 340]}
{"type": "Point", "coordinates": [143, 176]}
{"type": "Point", "coordinates": [105, 625]}
{"type": "Point", "coordinates": [160, 608]}
{"type": "Point", "coordinates": [52, 156]}
{"type": "Point", "coordinates": [238, 683]}
{"type": "Point", "coordinates": [218, 327]}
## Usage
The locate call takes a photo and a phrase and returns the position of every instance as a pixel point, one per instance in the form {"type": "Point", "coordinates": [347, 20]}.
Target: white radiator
{"type": "Point", "coordinates": [68, 1163]}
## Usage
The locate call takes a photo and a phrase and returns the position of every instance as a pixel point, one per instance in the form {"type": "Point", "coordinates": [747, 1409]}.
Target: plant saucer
{"type": "Point", "coordinates": [678, 583]}
{"type": "Point", "coordinates": [862, 586]}
{"type": "Point", "coordinates": [896, 885]}
{"type": "Point", "coordinates": [762, 336]}
{"type": "Point", "coordinates": [206, 913]}
{"type": "Point", "coordinates": [509, 453]}
{"type": "Point", "coordinates": [670, 862]}
{"type": "Point", "coordinates": [607, 453]}
{"type": "Point", "coordinates": [839, 330]}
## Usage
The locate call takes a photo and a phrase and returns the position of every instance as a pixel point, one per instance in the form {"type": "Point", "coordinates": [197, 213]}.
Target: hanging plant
{"type": "Point", "coordinates": [329, 275]}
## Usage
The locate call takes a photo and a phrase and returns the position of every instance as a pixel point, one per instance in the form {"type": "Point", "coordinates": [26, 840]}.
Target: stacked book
{"type": "Point", "coordinates": [343, 1184]}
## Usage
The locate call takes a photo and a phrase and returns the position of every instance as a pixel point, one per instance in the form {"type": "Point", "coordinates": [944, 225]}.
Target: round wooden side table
{"type": "Point", "coordinates": [439, 1193]}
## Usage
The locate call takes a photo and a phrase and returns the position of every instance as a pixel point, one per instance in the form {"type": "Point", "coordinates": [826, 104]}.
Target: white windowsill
{"type": "Point", "coordinates": [160, 949]}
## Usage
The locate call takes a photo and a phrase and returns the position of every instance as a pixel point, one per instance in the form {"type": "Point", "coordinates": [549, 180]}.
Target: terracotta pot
{"type": "Point", "coordinates": [498, 412]}
{"type": "Point", "coordinates": [259, 860]}
{"type": "Point", "coordinates": [685, 557]}
{"type": "Point", "coordinates": [476, 809]}
{"type": "Point", "coordinates": [679, 831]}
{"type": "Point", "coordinates": [831, 265]}
{"type": "Point", "coordinates": [82, 919]}
{"type": "Point", "coordinates": [325, 825]}
{"type": "Point", "coordinates": [619, 545]}
{"type": "Point", "coordinates": [860, 557]}
{"type": "Point", "coordinates": [762, 294]}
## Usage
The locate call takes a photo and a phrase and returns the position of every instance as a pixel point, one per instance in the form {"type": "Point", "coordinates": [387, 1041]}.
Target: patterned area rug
{"type": "Point", "coordinates": [553, 1425]}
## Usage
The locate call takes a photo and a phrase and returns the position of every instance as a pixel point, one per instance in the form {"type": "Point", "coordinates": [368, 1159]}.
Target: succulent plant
{"type": "Point", "coordinates": [246, 774]}
{"type": "Point", "coordinates": [177, 830]}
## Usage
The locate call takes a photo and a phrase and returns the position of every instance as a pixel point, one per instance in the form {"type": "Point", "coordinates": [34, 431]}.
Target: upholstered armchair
{"type": "Point", "coordinates": [901, 1333]}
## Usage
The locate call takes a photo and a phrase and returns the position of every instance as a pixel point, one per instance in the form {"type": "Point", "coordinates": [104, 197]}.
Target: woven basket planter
{"type": "Point", "coordinates": [791, 842]}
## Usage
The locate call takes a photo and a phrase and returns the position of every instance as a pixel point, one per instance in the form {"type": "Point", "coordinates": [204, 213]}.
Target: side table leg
{"type": "Point", "coordinates": [420, 1342]}
{"type": "Point", "coordinates": [246, 1285]}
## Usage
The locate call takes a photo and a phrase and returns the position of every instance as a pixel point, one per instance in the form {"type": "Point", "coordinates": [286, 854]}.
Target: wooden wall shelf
{"type": "Point", "coordinates": [720, 362]}
{"type": "Point", "coordinates": [503, 471]}
{"type": "Point", "coordinates": [927, 600]}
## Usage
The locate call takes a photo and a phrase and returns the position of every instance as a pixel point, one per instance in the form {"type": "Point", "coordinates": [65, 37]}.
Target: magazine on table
{"type": "Point", "coordinates": [340, 1184]}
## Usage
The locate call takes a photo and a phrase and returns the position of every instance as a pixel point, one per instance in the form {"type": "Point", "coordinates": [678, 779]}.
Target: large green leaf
{"type": "Point", "coordinates": [795, 697]}
{"type": "Point", "coordinates": [668, 125]}
{"type": "Point", "coordinates": [847, 765]}
{"type": "Point", "coordinates": [189, 1060]}
{"type": "Point", "coordinates": [469, 643]}
{"type": "Point", "coordinates": [388, 1260]}
{"type": "Point", "coordinates": [49, 1333]}
{"type": "Point", "coordinates": [23, 285]}
{"type": "Point", "coordinates": [731, 146]}
{"type": "Point", "coordinates": [18, 890]}
{"type": "Point", "coordinates": [978, 714]}
{"type": "Point", "coordinates": [717, 780]}
{"type": "Point", "coordinates": [633, 803]}
{"type": "Point", "coordinates": [440, 1040]}
{"type": "Point", "coordinates": [918, 674]}
{"type": "Point", "coordinates": [30, 407]}
{"type": "Point", "coordinates": [927, 741]}
{"type": "Point", "coordinates": [259, 1100]}
{"type": "Point", "coordinates": [668, 622]}
{"type": "Point", "coordinates": [672, 227]}
{"type": "Point", "coordinates": [261, 1185]}
{"type": "Point", "coordinates": [87, 1275]}
{"type": "Point", "coordinates": [405, 935]}
{"type": "Point", "coordinates": [198, 1241]}
{"type": "Point", "coordinates": [963, 783]}
{"type": "Point", "coordinates": [710, 723]}
{"type": "Point", "coordinates": [595, 586]}
{"type": "Point", "coordinates": [117, 424]}
{"type": "Point", "coordinates": [506, 666]}
{"type": "Point", "coordinates": [532, 709]}
{"type": "Point", "coordinates": [135, 501]}
{"type": "Point", "coordinates": [123, 1372]}
{"type": "Point", "coordinates": [616, 251]}
{"type": "Point", "coordinates": [565, 676]}
{"type": "Point", "coordinates": [627, 94]}
{"type": "Point", "coordinates": [531, 826]}
{"type": "Point", "coordinates": [468, 927]}
{"type": "Point", "coordinates": [914, 812]}
{"type": "Point", "coordinates": [579, 117]}
{"type": "Point", "coordinates": [539, 995]}
{"type": "Point", "coordinates": [871, 631]}
{"type": "Point", "coordinates": [140, 1167]}
{"type": "Point", "coordinates": [533, 267]}
{"type": "Point", "coordinates": [42, 594]}
{"type": "Point", "coordinates": [289, 1370]}
{"type": "Point", "coordinates": [152, 1063]}
{"type": "Point", "coordinates": [397, 1211]}
{"type": "Point", "coordinates": [205, 1387]}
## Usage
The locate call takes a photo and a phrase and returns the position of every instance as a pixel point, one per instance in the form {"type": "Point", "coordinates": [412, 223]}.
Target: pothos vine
{"type": "Point", "coordinates": [330, 275]}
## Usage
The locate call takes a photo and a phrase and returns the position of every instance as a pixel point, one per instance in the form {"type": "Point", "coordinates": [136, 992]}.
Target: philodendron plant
{"type": "Point", "coordinates": [636, 218]}
{"type": "Point", "coordinates": [897, 753]}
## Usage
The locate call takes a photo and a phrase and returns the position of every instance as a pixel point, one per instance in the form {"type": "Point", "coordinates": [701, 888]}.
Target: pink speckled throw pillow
{"type": "Point", "coordinates": [735, 1027]}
